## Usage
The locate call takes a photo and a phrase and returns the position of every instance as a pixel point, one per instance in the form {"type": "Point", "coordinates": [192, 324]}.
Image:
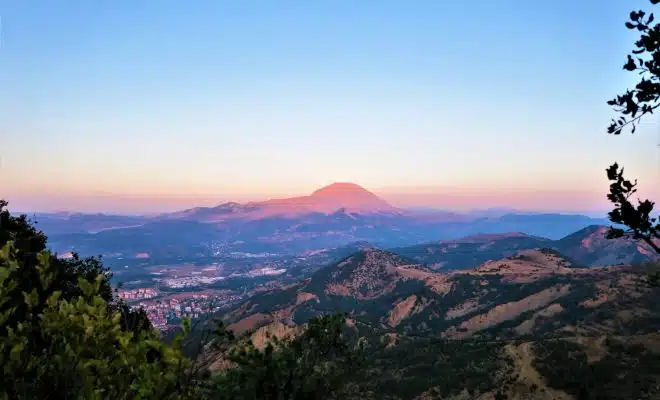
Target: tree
{"type": "Point", "coordinates": [317, 364]}
{"type": "Point", "coordinates": [639, 220]}
{"type": "Point", "coordinates": [83, 351]}
{"type": "Point", "coordinates": [28, 242]}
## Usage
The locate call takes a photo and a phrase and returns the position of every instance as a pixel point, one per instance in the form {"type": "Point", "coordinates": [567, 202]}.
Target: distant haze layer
{"type": "Point", "coordinates": [588, 202]}
{"type": "Point", "coordinates": [166, 106]}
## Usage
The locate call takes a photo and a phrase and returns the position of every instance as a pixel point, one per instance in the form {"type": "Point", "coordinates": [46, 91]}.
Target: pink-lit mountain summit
{"type": "Point", "coordinates": [348, 197]}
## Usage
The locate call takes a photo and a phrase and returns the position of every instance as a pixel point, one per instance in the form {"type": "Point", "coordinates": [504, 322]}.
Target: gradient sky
{"type": "Point", "coordinates": [151, 105]}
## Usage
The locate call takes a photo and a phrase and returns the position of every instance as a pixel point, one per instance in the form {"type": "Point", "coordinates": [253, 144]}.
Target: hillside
{"type": "Point", "coordinates": [471, 250]}
{"type": "Point", "coordinates": [591, 247]}
{"type": "Point", "coordinates": [534, 291]}
{"type": "Point", "coordinates": [588, 246]}
{"type": "Point", "coordinates": [508, 326]}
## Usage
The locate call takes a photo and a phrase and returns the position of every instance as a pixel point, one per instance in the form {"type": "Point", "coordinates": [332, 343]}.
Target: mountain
{"type": "Point", "coordinates": [366, 283]}
{"type": "Point", "coordinates": [330, 217]}
{"type": "Point", "coordinates": [495, 212]}
{"type": "Point", "coordinates": [368, 274]}
{"type": "Point", "coordinates": [588, 246]}
{"type": "Point", "coordinates": [550, 225]}
{"type": "Point", "coordinates": [305, 264]}
{"type": "Point", "coordinates": [162, 240]}
{"type": "Point", "coordinates": [67, 223]}
{"type": "Point", "coordinates": [221, 212]}
{"type": "Point", "coordinates": [509, 328]}
{"type": "Point", "coordinates": [348, 197]}
{"type": "Point", "coordinates": [534, 291]}
{"type": "Point", "coordinates": [471, 250]}
{"type": "Point", "coordinates": [591, 246]}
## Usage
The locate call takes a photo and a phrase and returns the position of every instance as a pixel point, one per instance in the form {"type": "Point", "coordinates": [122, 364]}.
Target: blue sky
{"type": "Point", "coordinates": [105, 104]}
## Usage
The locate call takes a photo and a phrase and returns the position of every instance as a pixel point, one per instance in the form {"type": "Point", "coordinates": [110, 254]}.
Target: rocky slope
{"type": "Point", "coordinates": [535, 291]}
{"type": "Point", "coordinates": [535, 325]}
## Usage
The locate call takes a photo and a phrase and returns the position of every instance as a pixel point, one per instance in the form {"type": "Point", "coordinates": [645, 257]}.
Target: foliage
{"type": "Point", "coordinates": [631, 107]}
{"type": "Point", "coordinates": [638, 220]}
{"type": "Point", "coordinates": [27, 238]}
{"type": "Point", "coordinates": [82, 351]}
{"type": "Point", "coordinates": [447, 367]}
{"type": "Point", "coordinates": [28, 242]}
{"type": "Point", "coordinates": [645, 60]}
{"type": "Point", "coordinates": [314, 365]}
{"type": "Point", "coordinates": [625, 371]}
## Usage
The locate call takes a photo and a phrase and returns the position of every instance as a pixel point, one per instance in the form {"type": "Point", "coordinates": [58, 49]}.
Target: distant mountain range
{"type": "Point", "coordinates": [331, 217]}
{"type": "Point", "coordinates": [588, 247]}
{"type": "Point", "coordinates": [346, 197]}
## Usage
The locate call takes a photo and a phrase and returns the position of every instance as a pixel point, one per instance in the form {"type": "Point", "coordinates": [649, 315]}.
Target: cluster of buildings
{"type": "Point", "coordinates": [169, 312]}
{"type": "Point", "coordinates": [190, 281]}
{"type": "Point", "coordinates": [205, 277]}
{"type": "Point", "coordinates": [140, 293]}
{"type": "Point", "coordinates": [240, 254]}
{"type": "Point", "coordinates": [266, 271]}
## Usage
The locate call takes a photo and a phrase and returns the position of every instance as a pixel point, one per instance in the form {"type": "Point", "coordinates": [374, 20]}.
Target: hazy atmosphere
{"type": "Point", "coordinates": [130, 107]}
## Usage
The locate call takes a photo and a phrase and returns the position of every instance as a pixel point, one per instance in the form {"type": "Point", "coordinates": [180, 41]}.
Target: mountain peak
{"type": "Point", "coordinates": [341, 189]}
{"type": "Point", "coordinates": [348, 196]}
{"type": "Point", "coordinates": [340, 197]}
{"type": "Point", "coordinates": [366, 274]}
{"type": "Point", "coordinates": [527, 265]}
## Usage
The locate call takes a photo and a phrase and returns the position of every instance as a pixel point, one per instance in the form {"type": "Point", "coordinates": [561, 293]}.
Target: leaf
{"type": "Point", "coordinates": [630, 64]}
{"type": "Point", "coordinates": [4, 274]}
{"type": "Point", "coordinates": [31, 299]}
{"type": "Point", "coordinates": [16, 351]}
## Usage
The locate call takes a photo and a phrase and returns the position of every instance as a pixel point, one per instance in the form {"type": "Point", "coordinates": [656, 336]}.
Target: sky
{"type": "Point", "coordinates": [139, 106]}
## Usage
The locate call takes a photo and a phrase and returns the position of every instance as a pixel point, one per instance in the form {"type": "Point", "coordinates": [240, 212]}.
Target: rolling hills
{"type": "Point", "coordinates": [534, 291]}
{"type": "Point", "coordinates": [533, 325]}
{"type": "Point", "coordinates": [588, 246]}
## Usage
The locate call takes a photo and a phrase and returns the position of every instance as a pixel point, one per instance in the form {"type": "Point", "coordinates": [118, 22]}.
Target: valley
{"type": "Point", "coordinates": [235, 252]}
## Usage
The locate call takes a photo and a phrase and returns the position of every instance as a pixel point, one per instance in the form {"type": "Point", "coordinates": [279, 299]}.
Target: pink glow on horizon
{"type": "Point", "coordinates": [458, 199]}
{"type": "Point", "coordinates": [565, 201]}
